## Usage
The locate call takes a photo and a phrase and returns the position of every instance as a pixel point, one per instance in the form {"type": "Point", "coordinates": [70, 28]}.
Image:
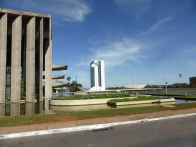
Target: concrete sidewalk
{"type": "Point", "coordinates": [67, 123]}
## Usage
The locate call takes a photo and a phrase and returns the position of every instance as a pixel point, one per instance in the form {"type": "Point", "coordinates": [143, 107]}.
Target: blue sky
{"type": "Point", "coordinates": [141, 41]}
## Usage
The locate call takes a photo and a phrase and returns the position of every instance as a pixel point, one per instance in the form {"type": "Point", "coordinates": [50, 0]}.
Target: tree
{"type": "Point", "coordinates": [68, 78]}
{"type": "Point", "coordinates": [74, 86]}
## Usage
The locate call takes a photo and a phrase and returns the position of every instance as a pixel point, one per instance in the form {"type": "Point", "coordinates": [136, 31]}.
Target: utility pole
{"type": "Point", "coordinates": [180, 76]}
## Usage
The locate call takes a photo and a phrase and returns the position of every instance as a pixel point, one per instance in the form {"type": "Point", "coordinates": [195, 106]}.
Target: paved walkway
{"type": "Point", "coordinates": [67, 123]}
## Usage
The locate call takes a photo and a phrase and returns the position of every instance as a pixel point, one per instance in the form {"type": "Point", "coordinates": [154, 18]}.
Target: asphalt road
{"type": "Point", "coordinates": [180, 132]}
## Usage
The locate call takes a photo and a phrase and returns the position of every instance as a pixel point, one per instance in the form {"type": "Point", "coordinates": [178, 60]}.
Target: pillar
{"type": "Point", "coordinates": [30, 61]}
{"type": "Point", "coordinates": [16, 59]}
{"type": "Point", "coordinates": [3, 56]}
{"type": "Point", "coordinates": [48, 66]}
{"type": "Point", "coordinates": [41, 60]}
{"type": "Point", "coordinates": [2, 110]}
{"type": "Point", "coordinates": [15, 109]}
{"type": "Point", "coordinates": [29, 108]}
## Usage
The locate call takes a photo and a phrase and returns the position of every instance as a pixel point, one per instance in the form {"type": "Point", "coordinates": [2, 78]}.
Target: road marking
{"type": "Point", "coordinates": [89, 127]}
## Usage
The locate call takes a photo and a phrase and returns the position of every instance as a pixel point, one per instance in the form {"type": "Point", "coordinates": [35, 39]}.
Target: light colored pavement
{"type": "Point", "coordinates": [179, 132]}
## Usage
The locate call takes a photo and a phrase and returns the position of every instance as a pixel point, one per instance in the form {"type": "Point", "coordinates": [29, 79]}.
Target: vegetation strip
{"type": "Point", "coordinates": [92, 96]}
{"type": "Point", "coordinates": [37, 119]}
{"type": "Point", "coordinates": [166, 94]}
{"type": "Point", "coordinates": [176, 95]}
{"type": "Point", "coordinates": [188, 97]}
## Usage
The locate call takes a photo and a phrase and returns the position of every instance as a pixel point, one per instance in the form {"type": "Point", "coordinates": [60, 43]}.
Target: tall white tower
{"type": "Point", "coordinates": [97, 75]}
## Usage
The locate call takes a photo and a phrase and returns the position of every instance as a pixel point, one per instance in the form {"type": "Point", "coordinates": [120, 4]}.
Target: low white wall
{"type": "Point", "coordinates": [141, 102]}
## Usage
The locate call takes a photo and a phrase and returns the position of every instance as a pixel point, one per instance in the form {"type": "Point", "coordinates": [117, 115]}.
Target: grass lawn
{"type": "Point", "coordinates": [167, 94]}
{"type": "Point", "coordinates": [176, 95]}
{"type": "Point", "coordinates": [102, 92]}
{"type": "Point", "coordinates": [93, 96]}
{"type": "Point", "coordinates": [36, 119]}
{"type": "Point", "coordinates": [189, 96]}
{"type": "Point", "coordinates": [140, 98]}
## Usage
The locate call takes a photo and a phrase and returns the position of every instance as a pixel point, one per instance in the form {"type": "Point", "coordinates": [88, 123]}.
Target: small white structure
{"type": "Point", "coordinates": [97, 74]}
{"type": "Point", "coordinates": [134, 86]}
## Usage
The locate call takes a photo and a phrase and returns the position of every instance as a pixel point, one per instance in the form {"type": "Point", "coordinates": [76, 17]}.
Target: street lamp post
{"type": "Point", "coordinates": [180, 76]}
{"type": "Point", "coordinates": [165, 85]}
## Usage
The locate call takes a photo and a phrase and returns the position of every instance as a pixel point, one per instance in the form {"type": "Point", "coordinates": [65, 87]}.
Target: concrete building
{"type": "Point", "coordinates": [97, 74]}
{"type": "Point", "coordinates": [193, 81]}
{"type": "Point", "coordinates": [25, 51]}
{"type": "Point", "coordinates": [57, 83]}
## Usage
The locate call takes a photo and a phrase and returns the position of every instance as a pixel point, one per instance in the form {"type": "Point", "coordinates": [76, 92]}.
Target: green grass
{"type": "Point", "coordinates": [166, 94]}
{"type": "Point", "coordinates": [103, 92]}
{"type": "Point", "coordinates": [37, 119]}
{"type": "Point", "coordinates": [189, 96]}
{"type": "Point", "coordinates": [177, 95]}
{"type": "Point", "coordinates": [192, 88]}
{"type": "Point", "coordinates": [92, 96]}
{"type": "Point", "coordinates": [140, 98]}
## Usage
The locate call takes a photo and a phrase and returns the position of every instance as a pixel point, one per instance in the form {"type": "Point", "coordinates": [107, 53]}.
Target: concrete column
{"type": "Point", "coordinates": [15, 109]}
{"type": "Point", "coordinates": [3, 56]}
{"type": "Point", "coordinates": [48, 66]}
{"type": "Point", "coordinates": [41, 109]}
{"type": "Point", "coordinates": [41, 60]}
{"type": "Point", "coordinates": [29, 108]}
{"type": "Point", "coordinates": [2, 109]}
{"type": "Point", "coordinates": [16, 59]}
{"type": "Point", "coordinates": [30, 61]}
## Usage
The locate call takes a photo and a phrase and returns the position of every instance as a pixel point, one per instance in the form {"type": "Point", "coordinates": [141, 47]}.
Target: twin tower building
{"type": "Point", "coordinates": [97, 74]}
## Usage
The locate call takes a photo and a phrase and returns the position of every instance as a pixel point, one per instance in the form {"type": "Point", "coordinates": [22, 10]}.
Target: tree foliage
{"type": "Point", "coordinates": [74, 86]}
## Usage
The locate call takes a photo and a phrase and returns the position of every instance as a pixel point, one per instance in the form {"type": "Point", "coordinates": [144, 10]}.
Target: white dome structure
{"type": "Point", "coordinates": [134, 86]}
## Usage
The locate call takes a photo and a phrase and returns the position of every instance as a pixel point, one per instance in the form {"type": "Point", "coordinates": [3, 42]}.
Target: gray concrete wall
{"type": "Point", "coordinates": [30, 61]}
{"type": "Point", "coordinates": [16, 59]}
{"type": "Point", "coordinates": [3, 50]}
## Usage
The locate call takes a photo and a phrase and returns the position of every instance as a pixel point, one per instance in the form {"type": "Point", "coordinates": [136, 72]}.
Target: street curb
{"type": "Point", "coordinates": [89, 127]}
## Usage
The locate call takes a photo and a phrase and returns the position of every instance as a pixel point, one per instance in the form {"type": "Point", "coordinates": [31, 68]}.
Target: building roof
{"type": "Point", "coordinates": [23, 13]}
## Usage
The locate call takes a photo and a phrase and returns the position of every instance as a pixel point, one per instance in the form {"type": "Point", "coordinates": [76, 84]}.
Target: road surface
{"type": "Point", "coordinates": [179, 132]}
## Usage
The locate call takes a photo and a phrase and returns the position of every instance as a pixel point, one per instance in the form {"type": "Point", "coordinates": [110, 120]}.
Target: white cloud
{"type": "Point", "coordinates": [156, 26]}
{"type": "Point", "coordinates": [116, 53]}
{"type": "Point", "coordinates": [67, 10]}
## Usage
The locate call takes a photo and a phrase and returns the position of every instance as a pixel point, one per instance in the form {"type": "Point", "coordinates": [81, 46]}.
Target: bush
{"type": "Point", "coordinates": [93, 96]}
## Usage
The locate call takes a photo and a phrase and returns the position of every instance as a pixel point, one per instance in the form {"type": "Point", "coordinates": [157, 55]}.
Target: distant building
{"type": "Point", "coordinates": [193, 81]}
{"type": "Point", "coordinates": [97, 74]}
{"type": "Point", "coordinates": [134, 86]}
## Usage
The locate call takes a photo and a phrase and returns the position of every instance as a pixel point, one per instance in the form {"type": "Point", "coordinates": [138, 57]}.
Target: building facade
{"type": "Point", "coordinates": [193, 81]}
{"type": "Point", "coordinates": [25, 52]}
{"type": "Point", "coordinates": [97, 74]}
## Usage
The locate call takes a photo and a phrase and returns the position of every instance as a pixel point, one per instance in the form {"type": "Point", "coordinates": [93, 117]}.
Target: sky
{"type": "Point", "coordinates": [141, 41]}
